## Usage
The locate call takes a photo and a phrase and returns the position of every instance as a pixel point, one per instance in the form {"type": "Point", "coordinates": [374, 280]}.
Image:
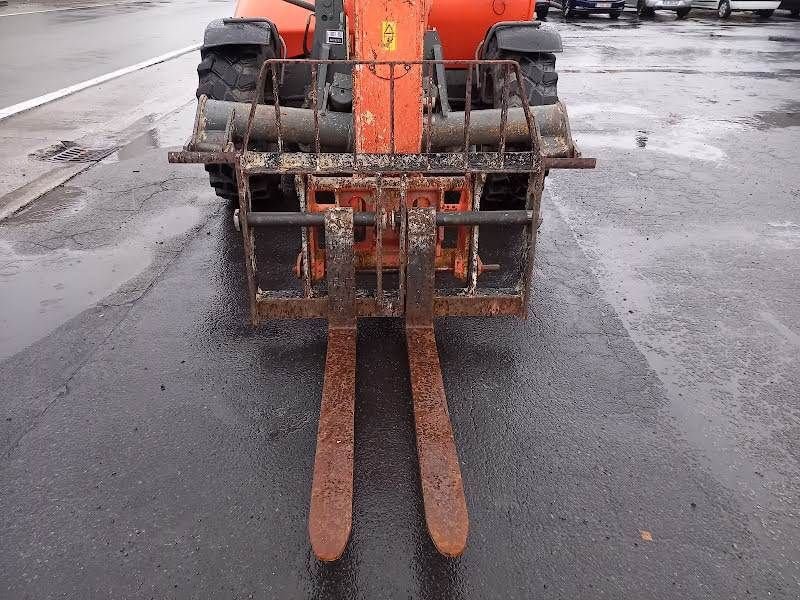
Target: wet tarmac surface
{"type": "Point", "coordinates": [637, 437]}
{"type": "Point", "coordinates": [65, 47]}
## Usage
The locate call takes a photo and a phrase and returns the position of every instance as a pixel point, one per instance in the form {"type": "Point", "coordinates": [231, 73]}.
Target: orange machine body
{"type": "Point", "coordinates": [383, 94]}
{"type": "Point", "coordinates": [461, 24]}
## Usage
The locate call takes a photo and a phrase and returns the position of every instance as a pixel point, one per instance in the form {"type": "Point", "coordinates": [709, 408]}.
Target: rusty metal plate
{"type": "Point", "coordinates": [256, 163]}
{"type": "Point", "coordinates": [440, 473]}
{"type": "Point", "coordinates": [420, 257]}
{"type": "Point", "coordinates": [489, 305]}
{"type": "Point", "coordinates": [340, 266]}
{"type": "Point", "coordinates": [331, 514]}
{"type": "Point", "coordinates": [479, 306]}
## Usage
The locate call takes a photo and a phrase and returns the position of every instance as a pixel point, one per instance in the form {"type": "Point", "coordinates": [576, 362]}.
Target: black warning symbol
{"type": "Point", "coordinates": [389, 35]}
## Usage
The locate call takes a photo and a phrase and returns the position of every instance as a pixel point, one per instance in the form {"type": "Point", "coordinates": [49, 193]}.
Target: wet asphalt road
{"type": "Point", "coordinates": [65, 47]}
{"type": "Point", "coordinates": [154, 445]}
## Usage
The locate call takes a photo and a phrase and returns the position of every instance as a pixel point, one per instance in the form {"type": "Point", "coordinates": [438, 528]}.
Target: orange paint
{"type": "Point", "coordinates": [462, 24]}
{"type": "Point", "coordinates": [362, 198]}
{"type": "Point", "coordinates": [289, 19]}
{"type": "Point", "coordinates": [387, 30]}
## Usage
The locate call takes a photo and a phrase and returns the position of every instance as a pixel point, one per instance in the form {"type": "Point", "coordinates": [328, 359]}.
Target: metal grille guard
{"type": "Point", "coordinates": [316, 147]}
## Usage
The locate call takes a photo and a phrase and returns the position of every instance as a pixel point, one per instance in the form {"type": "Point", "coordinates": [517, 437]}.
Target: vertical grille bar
{"type": "Point", "coordinates": [504, 110]}
{"type": "Point", "coordinates": [467, 114]}
{"type": "Point", "coordinates": [277, 102]}
{"type": "Point", "coordinates": [315, 101]}
{"type": "Point", "coordinates": [391, 109]}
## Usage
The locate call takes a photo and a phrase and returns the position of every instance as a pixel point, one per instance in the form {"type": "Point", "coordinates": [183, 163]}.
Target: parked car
{"type": "Point", "coordinates": [573, 8]}
{"type": "Point", "coordinates": [648, 8]}
{"type": "Point", "coordinates": [793, 6]}
{"type": "Point", "coordinates": [763, 8]}
{"type": "Point", "coordinates": [542, 8]}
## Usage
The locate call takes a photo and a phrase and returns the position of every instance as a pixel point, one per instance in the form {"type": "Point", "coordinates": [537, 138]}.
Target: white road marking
{"type": "Point", "coordinates": [34, 102]}
{"type": "Point", "coordinates": [47, 10]}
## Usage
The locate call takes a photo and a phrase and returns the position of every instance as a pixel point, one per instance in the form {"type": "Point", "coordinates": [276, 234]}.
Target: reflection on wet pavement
{"type": "Point", "coordinates": [635, 438]}
{"type": "Point", "coordinates": [77, 247]}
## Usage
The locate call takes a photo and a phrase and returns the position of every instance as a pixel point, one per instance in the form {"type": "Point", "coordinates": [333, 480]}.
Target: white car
{"type": "Point", "coordinates": [763, 8]}
{"type": "Point", "coordinates": [648, 8]}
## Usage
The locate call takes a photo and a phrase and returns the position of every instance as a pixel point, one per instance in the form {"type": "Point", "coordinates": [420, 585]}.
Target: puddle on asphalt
{"type": "Point", "coordinates": [139, 145]}
{"type": "Point", "coordinates": [783, 38]}
{"type": "Point", "coordinates": [42, 291]}
{"type": "Point", "coordinates": [788, 116]}
{"type": "Point", "coordinates": [598, 126]}
{"type": "Point", "coordinates": [683, 146]}
{"type": "Point", "coordinates": [168, 132]}
{"type": "Point", "coordinates": [591, 109]}
{"type": "Point", "coordinates": [786, 233]}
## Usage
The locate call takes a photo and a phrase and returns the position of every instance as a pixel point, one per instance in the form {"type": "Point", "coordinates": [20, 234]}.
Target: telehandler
{"type": "Point", "coordinates": [404, 128]}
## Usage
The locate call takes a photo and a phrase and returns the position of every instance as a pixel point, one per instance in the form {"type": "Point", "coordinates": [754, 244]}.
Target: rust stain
{"type": "Point", "coordinates": [331, 513]}
{"type": "Point", "coordinates": [440, 474]}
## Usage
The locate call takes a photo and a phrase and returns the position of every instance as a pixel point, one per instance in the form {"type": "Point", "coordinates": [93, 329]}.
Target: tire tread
{"type": "Point", "coordinates": [230, 73]}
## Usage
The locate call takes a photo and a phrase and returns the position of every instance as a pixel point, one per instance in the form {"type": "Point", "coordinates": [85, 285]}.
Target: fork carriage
{"type": "Point", "coordinates": [399, 204]}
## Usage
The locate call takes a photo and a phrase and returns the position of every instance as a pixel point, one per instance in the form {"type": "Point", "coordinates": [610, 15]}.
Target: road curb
{"type": "Point", "coordinates": [18, 199]}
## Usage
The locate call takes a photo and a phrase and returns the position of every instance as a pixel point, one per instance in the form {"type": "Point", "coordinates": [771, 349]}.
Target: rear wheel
{"type": "Point", "coordinates": [231, 73]}
{"type": "Point", "coordinates": [683, 12]}
{"type": "Point", "coordinates": [538, 69]}
{"type": "Point", "coordinates": [614, 15]}
{"type": "Point", "coordinates": [765, 14]}
{"type": "Point", "coordinates": [724, 9]}
{"type": "Point", "coordinates": [644, 11]}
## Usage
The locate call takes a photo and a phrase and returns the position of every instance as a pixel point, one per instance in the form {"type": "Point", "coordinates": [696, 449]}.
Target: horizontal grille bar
{"type": "Point", "coordinates": [443, 219]}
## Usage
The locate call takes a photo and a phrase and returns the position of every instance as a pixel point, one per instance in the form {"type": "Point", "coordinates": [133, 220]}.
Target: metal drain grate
{"type": "Point", "coordinates": [72, 152]}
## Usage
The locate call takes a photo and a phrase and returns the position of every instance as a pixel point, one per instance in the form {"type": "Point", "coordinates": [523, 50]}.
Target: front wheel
{"type": "Point", "coordinates": [541, 12]}
{"type": "Point", "coordinates": [683, 12]}
{"type": "Point", "coordinates": [230, 73]}
{"type": "Point", "coordinates": [509, 191]}
{"type": "Point", "coordinates": [724, 9]}
{"type": "Point", "coordinates": [764, 14]}
{"type": "Point", "coordinates": [614, 15]}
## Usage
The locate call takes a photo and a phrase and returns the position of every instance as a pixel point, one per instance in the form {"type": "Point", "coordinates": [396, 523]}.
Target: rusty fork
{"type": "Point", "coordinates": [331, 511]}
{"type": "Point", "coordinates": [330, 515]}
{"type": "Point", "coordinates": [440, 473]}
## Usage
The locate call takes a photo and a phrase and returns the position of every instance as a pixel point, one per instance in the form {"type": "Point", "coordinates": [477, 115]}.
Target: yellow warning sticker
{"type": "Point", "coordinates": [389, 35]}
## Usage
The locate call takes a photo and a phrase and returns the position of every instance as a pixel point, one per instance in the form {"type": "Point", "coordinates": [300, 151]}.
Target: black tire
{"type": "Point", "coordinates": [764, 14]}
{"type": "Point", "coordinates": [230, 73]}
{"type": "Point", "coordinates": [538, 69]}
{"type": "Point", "coordinates": [724, 9]}
{"type": "Point", "coordinates": [683, 12]}
{"type": "Point", "coordinates": [643, 11]}
{"type": "Point", "coordinates": [795, 12]}
{"type": "Point", "coordinates": [541, 12]}
{"type": "Point", "coordinates": [614, 15]}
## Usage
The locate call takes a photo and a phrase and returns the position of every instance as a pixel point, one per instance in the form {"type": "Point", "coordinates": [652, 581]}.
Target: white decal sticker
{"type": "Point", "coordinates": [335, 38]}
